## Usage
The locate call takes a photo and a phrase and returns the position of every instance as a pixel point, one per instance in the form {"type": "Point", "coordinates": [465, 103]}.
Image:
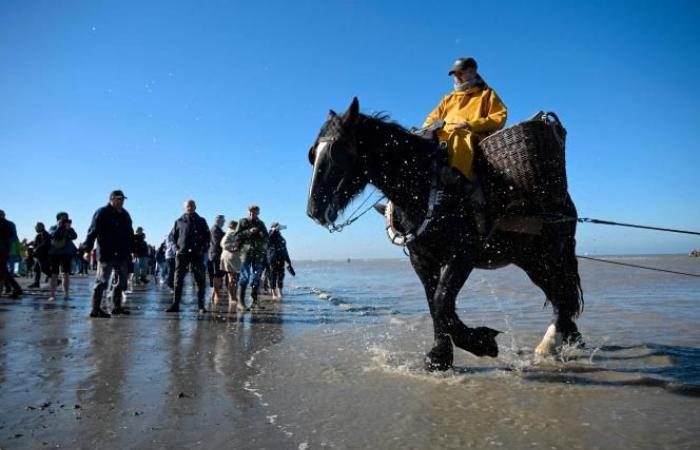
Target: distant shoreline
{"type": "Point", "coordinates": [405, 258]}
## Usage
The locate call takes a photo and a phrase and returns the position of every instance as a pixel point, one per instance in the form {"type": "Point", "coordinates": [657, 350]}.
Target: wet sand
{"type": "Point", "coordinates": [365, 388]}
{"type": "Point", "coordinates": [339, 365]}
{"type": "Point", "coordinates": [150, 380]}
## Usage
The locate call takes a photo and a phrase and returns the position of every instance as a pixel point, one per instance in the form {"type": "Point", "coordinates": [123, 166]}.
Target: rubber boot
{"type": "Point", "coordinates": [37, 279]}
{"type": "Point", "coordinates": [117, 301]}
{"type": "Point", "coordinates": [97, 311]}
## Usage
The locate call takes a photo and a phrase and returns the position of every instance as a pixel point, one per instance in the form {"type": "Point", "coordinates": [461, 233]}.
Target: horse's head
{"type": "Point", "coordinates": [338, 168]}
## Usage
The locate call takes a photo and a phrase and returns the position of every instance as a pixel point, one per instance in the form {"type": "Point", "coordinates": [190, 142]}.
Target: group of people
{"type": "Point", "coordinates": [235, 257]}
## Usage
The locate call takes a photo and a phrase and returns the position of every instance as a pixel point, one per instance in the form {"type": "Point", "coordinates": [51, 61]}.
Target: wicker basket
{"type": "Point", "coordinates": [523, 166]}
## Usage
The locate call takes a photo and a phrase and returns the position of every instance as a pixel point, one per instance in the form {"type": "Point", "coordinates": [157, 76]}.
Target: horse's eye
{"type": "Point", "coordinates": [339, 154]}
{"type": "Point", "coordinates": [312, 156]}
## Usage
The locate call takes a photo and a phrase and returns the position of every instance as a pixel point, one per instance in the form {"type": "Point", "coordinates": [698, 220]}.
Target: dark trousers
{"type": "Point", "coordinates": [41, 265]}
{"type": "Point", "coordinates": [193, 262]}
{"type": "Point", "coordinates": [276, 274]}
{"type": "Point", "coordinates": [104, 278]}
{"type": "Point", "coordinates": [6, 275]}
{"type": "Point", "coordinates": [170, 281]}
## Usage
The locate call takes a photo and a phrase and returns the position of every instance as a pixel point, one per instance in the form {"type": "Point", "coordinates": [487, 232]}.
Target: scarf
{"type": "Point", "coordinates": [476, 81]}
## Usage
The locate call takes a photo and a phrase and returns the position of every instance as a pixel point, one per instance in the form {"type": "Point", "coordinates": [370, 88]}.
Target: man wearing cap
{"type": "Point", "coordinates": [470, 113]}
{"type": "Point", "coordinates": [111, 226]}
{"type": "Point", "coordinates": [190, 234]}
{"type": "Point", "coordinates": [215, 272]}
{"type": "Point", "coordinates": [252, 238]}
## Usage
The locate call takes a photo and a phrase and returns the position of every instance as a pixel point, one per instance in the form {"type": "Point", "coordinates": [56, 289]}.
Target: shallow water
{"type": "Point", "coordinates": [338, 364]}
{"type": "Point", "coordinates": [362, 384]}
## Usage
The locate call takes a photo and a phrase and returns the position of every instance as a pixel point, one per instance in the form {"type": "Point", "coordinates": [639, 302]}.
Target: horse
{"type": "Point", "coordinates": [353, 150]}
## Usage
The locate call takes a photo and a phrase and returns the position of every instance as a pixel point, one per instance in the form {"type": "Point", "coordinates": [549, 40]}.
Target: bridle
{"type": "Point", "coordinates": [325, 144]}
{"type": "Point", "coordinates": [435, 198]}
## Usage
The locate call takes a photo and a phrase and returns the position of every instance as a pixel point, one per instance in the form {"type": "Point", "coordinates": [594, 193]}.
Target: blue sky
{"type": "Point", "coordinates": [219, 101]}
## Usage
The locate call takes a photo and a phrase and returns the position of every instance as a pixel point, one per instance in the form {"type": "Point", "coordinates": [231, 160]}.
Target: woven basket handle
{"type": "Point", "coordinates": [553, 115]}
{"type": "Point", "coordinates": [555, 129]}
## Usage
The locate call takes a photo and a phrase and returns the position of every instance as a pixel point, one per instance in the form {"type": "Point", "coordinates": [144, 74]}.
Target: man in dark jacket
{"type": "Point", "coordinates": [41, 243]}
{"type": "Point", "coordinates": [215, 272]}
{"type": "Point", "coordinates": [251, 236]}
{"type": "Point", "coordinates": [190, 234]}
{"type": "Point", "coordinates": [112, 228]}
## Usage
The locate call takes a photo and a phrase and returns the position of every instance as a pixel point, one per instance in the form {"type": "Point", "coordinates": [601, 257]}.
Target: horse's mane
{"type": "Point", "coordinates": [384, 119]}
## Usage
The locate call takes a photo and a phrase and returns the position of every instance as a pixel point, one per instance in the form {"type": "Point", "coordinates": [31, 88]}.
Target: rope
{"type": "Point", "coordinates": [638, 266]}
{"type": "Point", "coordinates": [607, 222]}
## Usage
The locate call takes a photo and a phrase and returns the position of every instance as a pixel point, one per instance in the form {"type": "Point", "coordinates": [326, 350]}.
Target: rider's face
{"type": "Point", "coordinates": [462, 76]}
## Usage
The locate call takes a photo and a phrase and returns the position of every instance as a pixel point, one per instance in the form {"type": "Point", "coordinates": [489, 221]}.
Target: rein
{"type": "Point", "coordinates": [435, 198]}
{"type": "Point", "coordinates": [333, 227]}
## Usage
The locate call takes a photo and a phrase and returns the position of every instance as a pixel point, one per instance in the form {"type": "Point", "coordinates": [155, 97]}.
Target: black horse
{"type": "Point", "coordinates": [353, 150]}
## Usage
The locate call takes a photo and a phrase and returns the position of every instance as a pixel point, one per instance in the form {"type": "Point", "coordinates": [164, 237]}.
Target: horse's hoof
{"type": "Point", "coordinates": [479, 341]}
{"type": "Point", "coordinates": [574, 340]}
{"type": "Point", "coordinates": [437, 363]}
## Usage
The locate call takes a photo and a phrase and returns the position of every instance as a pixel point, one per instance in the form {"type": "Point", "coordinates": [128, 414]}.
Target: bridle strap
{"type": "Point", "coordinates": [434, 200]}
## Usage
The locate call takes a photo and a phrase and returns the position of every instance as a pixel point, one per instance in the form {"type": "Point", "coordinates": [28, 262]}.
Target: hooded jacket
{"type": "Point", "coordinates": [479, 106]}
{"type": "Point", "coordinates": [481, 109]}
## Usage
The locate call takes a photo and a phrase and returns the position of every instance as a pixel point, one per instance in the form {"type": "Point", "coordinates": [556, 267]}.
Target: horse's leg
{"type": "Point", "coordinates": [440, 357]}
{"type": "Point", "coordinates": [479, 341]}
{"type": "Point", "coordinates": [556, 273]}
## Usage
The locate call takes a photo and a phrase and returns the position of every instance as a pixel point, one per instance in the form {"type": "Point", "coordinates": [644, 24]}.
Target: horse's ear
{"type": "Point", "coordinates": [353, 112]}
{"type": "Point", "coordinates": [331, 114]}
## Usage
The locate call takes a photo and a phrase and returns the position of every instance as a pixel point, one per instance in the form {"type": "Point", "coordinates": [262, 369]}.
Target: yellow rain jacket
{"type": "Point", "coordinates": [485, 113]}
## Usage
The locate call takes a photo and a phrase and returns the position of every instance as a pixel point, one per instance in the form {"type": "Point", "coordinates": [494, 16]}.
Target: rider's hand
{"type": "Point", "coordinates": [462, 126]}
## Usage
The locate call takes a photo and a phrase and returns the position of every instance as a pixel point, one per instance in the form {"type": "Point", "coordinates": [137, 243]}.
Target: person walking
{"type": "Point", "coordinates": [8, 238]}
{"type": "Point", "coordinates": [61, 252]}
{"type": "Point", "coordinates": [190, 234]}
{"type": "Point", "coordinates": [278, 257]}
{"type": "Point", "coordinates": [141, 259]}
{"type": "Point", "coordinates": [170, 253]}
{"type": "Point", "coordinates": [112, 228]}
{"type": "Point", "coordinates": [231, 266]}
{"type": "Point", "coordinates": [41, 243]}
{"type": "Point", "coordinates": [251, 236]}
{"type": "Point", "coordinates": [217, 233]}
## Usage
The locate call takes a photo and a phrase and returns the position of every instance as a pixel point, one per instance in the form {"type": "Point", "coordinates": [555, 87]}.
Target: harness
{"type": "Point", "coordinates": [435, 198]}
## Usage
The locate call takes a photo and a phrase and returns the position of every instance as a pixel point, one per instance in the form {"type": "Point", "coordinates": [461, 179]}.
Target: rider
{"type": "Point", "coordinates": [470, 113]}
